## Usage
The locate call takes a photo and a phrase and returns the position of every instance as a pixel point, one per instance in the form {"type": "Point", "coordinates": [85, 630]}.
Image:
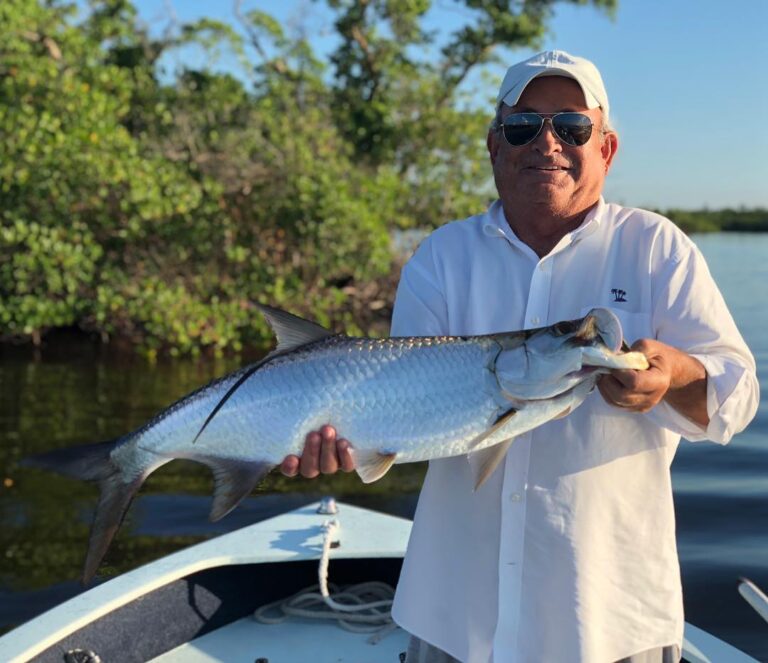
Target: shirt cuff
{"type": "Point", "coordinates": [728, 387]}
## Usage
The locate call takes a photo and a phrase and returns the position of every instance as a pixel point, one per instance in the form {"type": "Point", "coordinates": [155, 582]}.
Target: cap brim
{"type": "Point", "coordinates": [512, 96]}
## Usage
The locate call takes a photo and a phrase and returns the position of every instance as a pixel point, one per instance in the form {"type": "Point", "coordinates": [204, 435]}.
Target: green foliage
{"type": "Point", "coordinates": [160, 208]}
{"type": "Point", "coordinates": [49, 268]}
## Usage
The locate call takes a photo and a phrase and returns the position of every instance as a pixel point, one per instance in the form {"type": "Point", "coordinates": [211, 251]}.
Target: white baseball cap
{"type": "Point", "coordinates": [554, 63]}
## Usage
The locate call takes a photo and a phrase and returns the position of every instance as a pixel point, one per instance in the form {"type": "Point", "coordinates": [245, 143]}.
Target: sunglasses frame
{"type": "Point", "coordinates": [543, 117]}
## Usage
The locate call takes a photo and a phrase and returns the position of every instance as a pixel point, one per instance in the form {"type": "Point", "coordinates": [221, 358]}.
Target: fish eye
{"type": "Point", "coordinates": [564, 327]}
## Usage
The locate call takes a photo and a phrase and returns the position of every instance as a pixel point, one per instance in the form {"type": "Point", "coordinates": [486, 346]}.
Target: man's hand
{"type": "Point", "coordinates": [673, 376]}
{"type": "Point", "coordinates": [323, 453]}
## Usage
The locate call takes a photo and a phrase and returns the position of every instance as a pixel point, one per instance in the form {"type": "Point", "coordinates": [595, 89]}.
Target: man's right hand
{"type": "Point", "coordinates": [323, 454]}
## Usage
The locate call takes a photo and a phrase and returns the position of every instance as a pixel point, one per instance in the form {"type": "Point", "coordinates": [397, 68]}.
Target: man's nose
{"type": "Point", "coordinates": [547, 140]}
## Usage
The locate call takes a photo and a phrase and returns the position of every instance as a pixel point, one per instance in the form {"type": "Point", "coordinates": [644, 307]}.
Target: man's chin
{"type": "Point", "coordinates": [551, 193]}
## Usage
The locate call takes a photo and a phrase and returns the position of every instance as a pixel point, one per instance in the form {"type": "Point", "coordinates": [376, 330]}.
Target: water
{"type": "Point", "coordinates": [78, 393]}
{"type": "Point", "coordinates": [721, 493]}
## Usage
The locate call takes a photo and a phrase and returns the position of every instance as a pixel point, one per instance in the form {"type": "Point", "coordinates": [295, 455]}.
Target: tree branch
{"type": "Point", "coordinates": [278, 66]}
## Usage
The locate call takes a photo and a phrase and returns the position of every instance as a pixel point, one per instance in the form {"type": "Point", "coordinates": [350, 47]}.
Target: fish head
{"type": "Point", "coordinates": [545, 362]}
{"type": "Point", "coordinates": [603, 343]}
{"type": "Point", "coordinates": [600, 327]}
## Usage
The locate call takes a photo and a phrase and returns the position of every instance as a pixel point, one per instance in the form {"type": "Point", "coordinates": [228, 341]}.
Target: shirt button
{"type": "Point", "coordinates": [515, 497]}
{"type": "Point", "coordinates": [535, 320]}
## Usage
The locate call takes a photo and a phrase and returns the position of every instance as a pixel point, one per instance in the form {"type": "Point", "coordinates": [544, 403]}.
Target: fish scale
{"type": "Point", "coordinates": [378, 401]}
{"type": "Point", "coordinates": [397, 400]}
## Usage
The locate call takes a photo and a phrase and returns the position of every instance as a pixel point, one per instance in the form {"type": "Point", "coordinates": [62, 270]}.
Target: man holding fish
{"type": "Point", "coordinates": [567, 552]}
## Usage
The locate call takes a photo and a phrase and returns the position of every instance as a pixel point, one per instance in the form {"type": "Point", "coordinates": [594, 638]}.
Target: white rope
{"type": "Point", "coordinates": [362, 608]}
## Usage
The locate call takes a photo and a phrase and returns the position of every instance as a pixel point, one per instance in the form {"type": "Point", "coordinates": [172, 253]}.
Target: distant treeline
{"type": "Point", "coordinates": [724, 220]}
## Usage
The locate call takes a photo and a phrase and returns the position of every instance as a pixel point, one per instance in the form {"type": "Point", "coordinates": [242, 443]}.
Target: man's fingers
{"type": "Point", "coordinates": [624, 378]}
{"type": "Point", "coordinates": [310, 458]}
{"type": "Point", "coordinates": [346, 461]}
{"type": "Point", "coordinates": [290, 466]}
{"type": "Point", "coordinates": [322, 453]}
{"type": "Point", "coordinates": [329, 461]}
{"type": "Point", "coordinates": [610, 388]}
{"type": "Point", "coordinates": [617, 392]}
{"type": "Point", "coordinates": [640, 391]}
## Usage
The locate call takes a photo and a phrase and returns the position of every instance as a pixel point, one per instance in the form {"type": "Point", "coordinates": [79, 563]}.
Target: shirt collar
{"type": "Point", "coordinates": [496, 226]}
{"type": "Point", "coordinates": [591, 221]}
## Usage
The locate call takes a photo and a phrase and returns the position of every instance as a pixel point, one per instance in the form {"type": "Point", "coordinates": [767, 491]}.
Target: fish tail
{"type": "Point", "coordinates": [94, 462]}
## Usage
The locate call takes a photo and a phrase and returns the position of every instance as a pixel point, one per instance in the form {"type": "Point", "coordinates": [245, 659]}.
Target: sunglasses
{"type": "Point", "coordinates": [522, 128]}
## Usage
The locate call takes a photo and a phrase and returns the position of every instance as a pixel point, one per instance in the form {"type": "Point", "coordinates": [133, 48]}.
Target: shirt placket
{"type": "Point", "coordinates": [514, 497]}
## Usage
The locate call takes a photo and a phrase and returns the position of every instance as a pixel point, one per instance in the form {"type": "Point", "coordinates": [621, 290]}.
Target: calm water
{"type": "Point", "coordinates": [81, 394]}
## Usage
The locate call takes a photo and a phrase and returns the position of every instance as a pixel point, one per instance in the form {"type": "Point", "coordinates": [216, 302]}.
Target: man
{"type": "Point", "coordinates": [568, 552]}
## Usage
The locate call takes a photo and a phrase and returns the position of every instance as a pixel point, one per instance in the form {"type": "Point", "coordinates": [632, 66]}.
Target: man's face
{"type": "Point", "coordinates": [547, 173]}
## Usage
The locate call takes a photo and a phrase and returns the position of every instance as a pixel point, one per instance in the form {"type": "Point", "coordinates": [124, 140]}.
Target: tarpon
{"type": "Point", "coordinates": [397, 400]}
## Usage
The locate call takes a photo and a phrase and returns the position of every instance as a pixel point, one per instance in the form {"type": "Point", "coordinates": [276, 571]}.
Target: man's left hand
{"type": "Point", "coordinates": [673, 376]}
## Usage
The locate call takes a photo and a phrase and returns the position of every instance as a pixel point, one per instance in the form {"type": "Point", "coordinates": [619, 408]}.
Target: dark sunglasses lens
{"type": "Point", "coordinates": [521, 128]}
{"type": "Point", "coordinates": [573, 128]}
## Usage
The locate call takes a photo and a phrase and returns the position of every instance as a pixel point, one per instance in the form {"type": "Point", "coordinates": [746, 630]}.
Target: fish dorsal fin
{"type": "Point", "coordinates": [485, 461]}
{"type": "Point", "coordinates": [291, 330]}
{"type": "Point", "coordinates": [371, 464]}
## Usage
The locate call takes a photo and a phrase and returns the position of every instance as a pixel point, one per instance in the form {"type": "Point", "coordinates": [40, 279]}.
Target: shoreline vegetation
{"type": "Point", "coordinates": [149, 195]}
{"type": "Point", "coordinates": [740, 220]}
{"type": "Point", "coordinates": [369, 310]}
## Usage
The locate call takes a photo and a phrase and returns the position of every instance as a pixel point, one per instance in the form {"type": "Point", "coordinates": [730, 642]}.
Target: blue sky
{"type": "Point", "coordinates": [687, 80]}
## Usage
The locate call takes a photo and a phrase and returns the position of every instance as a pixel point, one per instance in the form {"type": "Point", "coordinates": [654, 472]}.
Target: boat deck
{"type": "Point", "coordinates": [297, 641]}
{"type": "Point", "coordinates": [197, 604]}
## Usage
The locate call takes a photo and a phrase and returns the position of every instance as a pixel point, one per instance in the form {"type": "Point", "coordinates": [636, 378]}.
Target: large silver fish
{"type": "Point", "coordinates": [397, 400]}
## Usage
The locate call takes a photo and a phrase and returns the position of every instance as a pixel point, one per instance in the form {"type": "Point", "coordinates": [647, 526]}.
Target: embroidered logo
{"type": "Point", "coordinates": [618, 295]}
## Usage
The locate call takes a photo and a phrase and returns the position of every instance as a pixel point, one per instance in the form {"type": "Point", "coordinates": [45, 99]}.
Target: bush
{"type": "Point", "coordinates": [160, 209]}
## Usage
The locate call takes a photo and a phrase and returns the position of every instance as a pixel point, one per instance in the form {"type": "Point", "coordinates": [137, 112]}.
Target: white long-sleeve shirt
{"type": "Point", "coordinates": [567, 553]}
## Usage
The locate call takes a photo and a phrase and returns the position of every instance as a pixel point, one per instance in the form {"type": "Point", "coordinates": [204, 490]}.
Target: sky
{"type": "Point", "coordinates": [687, 82]}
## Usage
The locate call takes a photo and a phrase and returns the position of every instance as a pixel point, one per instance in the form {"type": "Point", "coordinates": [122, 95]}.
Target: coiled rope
{"type": "Point", "coordinates": [361, 608]}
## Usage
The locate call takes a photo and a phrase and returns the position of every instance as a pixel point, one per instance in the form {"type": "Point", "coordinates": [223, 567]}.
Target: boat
{"type": "Point", "coordinates": [197, 605]}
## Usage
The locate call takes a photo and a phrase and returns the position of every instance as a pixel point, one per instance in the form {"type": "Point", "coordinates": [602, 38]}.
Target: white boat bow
{"type": "Point", "coordinates": [196, 605]}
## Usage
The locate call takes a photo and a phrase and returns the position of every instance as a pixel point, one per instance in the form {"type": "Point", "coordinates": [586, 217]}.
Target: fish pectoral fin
{"type": "Point", "coordinates": [564, 413]}
{"type": "Point", "coordinates": [291, 330]}
{"type": "Point", "coordinates": [501, 421]}
{"type": "Point", "coordinates": [371, 464]}
{"type": "Point", "coordinates": [485, 461]}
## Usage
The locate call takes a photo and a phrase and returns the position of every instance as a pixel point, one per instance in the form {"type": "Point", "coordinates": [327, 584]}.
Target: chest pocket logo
{"type": "Point", "coordinates": [619, 295]}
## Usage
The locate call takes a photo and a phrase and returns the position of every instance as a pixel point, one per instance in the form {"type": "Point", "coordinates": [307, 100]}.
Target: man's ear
{"type": "Point", "coordinates": [609, 148]}
{"type": "Point", "coordinates": [492, 142]}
